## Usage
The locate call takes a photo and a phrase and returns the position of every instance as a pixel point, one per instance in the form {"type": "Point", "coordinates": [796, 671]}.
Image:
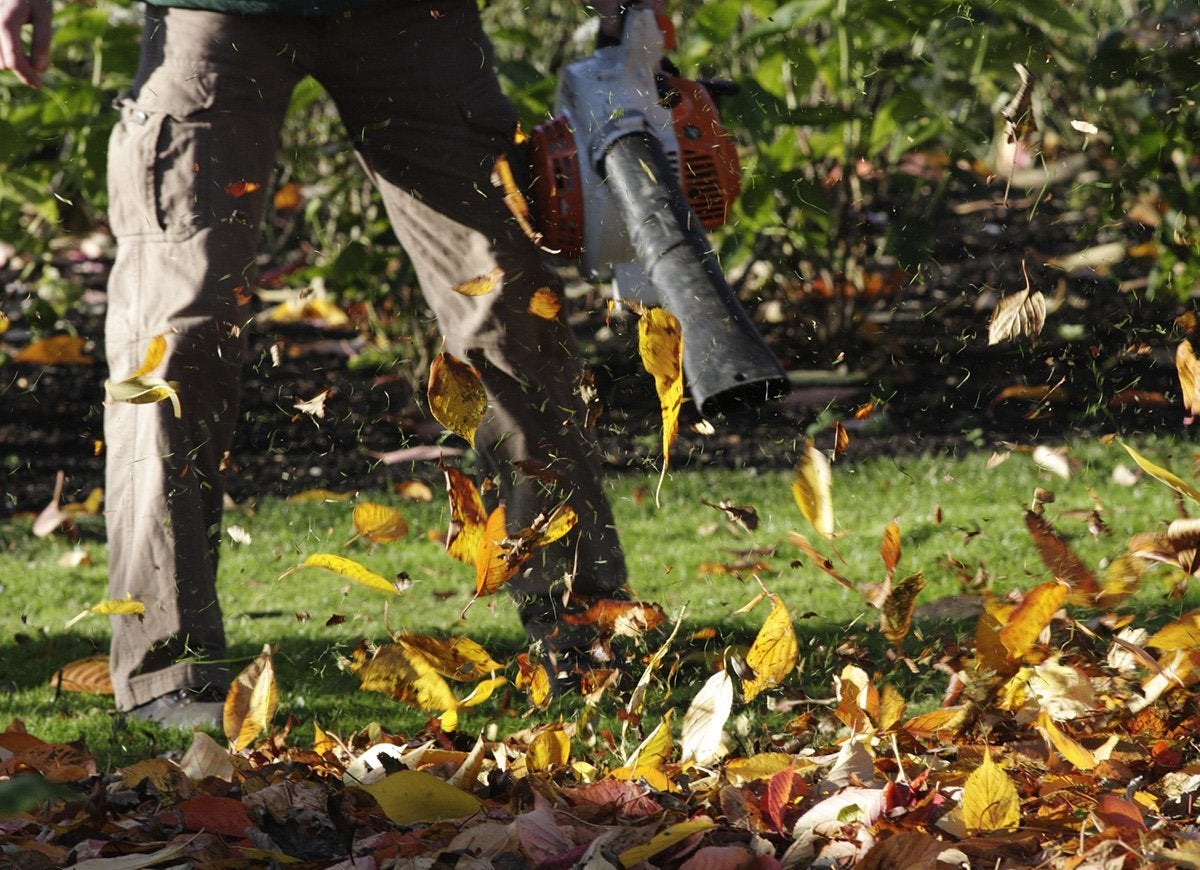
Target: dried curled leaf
{"type": "Point", "coordinates": [251, 702]}
{"type": "Point", "coordinates": [456, 396]}
{"type": "Point", "coordinates": [1016, 315]}
{"type": "Point", "coordinates": [898, 607]}
{"type": "Point", "coordinates": [144, 390]}
{"type": "Point", "coordinates": [481, 285]}
{"type": "Point", "coordinates": [1163, 475]}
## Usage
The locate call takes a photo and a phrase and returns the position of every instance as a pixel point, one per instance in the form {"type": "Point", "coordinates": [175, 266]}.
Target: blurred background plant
{"type": "Point", "coordinates": [854, 120]}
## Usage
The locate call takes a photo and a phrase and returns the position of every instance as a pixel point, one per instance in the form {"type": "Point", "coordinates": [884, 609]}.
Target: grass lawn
{"type": "Point", "coordinates": [958, 519]}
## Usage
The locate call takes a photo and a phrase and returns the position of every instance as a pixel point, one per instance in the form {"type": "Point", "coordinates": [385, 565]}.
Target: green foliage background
{"type": "Point", "coordinates": [824, 83]}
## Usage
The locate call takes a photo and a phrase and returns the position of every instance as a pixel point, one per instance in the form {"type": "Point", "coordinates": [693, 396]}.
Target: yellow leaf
{"type": "Point", "coordinates": [898, 607]}
{"type": "Point", "coordinates": [1032, 615]}
{"type": "Point", "coordinates": [322, 742]}
{"type": "Point", "coordinates": [533, 678]}
{"type": "Point", "coordinates": [405, 674]}
{"type": "Point", "coordinates": [154, 355]}
{"type": "Point", "coordinates": [889, 550]}
{"type": "Point", "coordinates": [58, 350]}
{"type": "Point", "coordinates": [764, 765]}
{"type": "Point", "coordinates": [111, 607]}
{"type": "Point", "coordinates": [414, 490]}
{"type": "Point", "coordinates": [1163, 475]}
{"type": "Point", "coordinates": [655, 751]}
{"type": "Point", "coordinates": [481, 285]}
{"type": "Point", "coordinates": [144, 390]}
{"type": "Point", "coordinates": [493, 568]}
{"type": "Point", "coordinates": [410, 796]}
{"type": "Point", "coordinates": [989, 800]}
{"type": "Point", "coordinates": [456, 396]}
{"type": "Point", "coordinates": [773, 654]}
{"type": "Point", "coordinates": [458, 658]}
{"type": "Point", "coordinates": [812, 487]}
{"type": "Point", "coordinates": [379, 523]}
{"type": "Point", "coordinates": [467, 517]}
{"type": "Point", "coordinates": [664, 840]}
{"type": "Point", "coordinates": [1067, 746]}
{"type": "Point", "coordinates": [891, 707]}
{"type": "Point", "coordinates": [937, 724]}
{"type": "Point", "coordinates": [250, 704]}
{"type": "Point", "coordinates": [1188, 368]}
{"type": "Point", "coordinates": [1180, 634]}
{"type": "Point", "coordinates": [545, 304]}
{"type": "Point", "coordinates": [351, 570]}
{"type": "Point", "coordinates": [318, 496]}
{"type": "Point", "coordinates": [660, 342]}
{"type": "Point", "coordinates": [549, 749]}
{"type": "Point", "coordinates": [316, 311]}
{"type": "Point", "coordinates": [482, 691]}
{"type": "Point", "coordinates": [990, 652]}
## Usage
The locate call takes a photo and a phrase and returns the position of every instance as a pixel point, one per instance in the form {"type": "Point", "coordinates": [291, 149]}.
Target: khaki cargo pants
{"type": "Point", "coordinates": [414, 84]}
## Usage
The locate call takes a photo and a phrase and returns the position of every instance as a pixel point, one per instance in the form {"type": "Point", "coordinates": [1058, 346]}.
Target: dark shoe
{"type": "Point", "coordinates": [185, 708]}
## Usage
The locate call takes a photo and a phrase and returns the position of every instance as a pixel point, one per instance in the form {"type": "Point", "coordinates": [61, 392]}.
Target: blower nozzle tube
{"type": "Point", "coordinates": [727, 363]}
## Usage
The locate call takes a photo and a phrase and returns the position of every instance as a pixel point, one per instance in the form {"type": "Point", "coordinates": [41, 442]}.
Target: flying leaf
{"type": "Point", "coordinates": [318, 312]}
{"type": "Point", "coordinates": [250, 704]}
{"type": "Point", "coordinates": [812, 488]}
{"type": "Point", "coordinates": [1031, 616]}
{"type": "Point", "coordinates": [841, 439]}
{"type": "Point", "coordinates": [379, 523]}
{"type": "Point", "coordinates": [545, 304]}
{"type": "Point", "coordinates": [742, 515]}
{"type": "Point", "coordinates": [406, 674]}
{"type": "Point", "coordinates": [493, 567]}
{"type": "Point", "coordinates": [144, 390]}
{"type": "Point", "coordinates": [1163, 475]}
{"type": "Point", "coordinates": [989, 800]}
{"type": "Point", "coordinates": [820, 559]}
{"type": "Point", "coordinates": [155, 352]}
{"type": "Point", "coordinates": [289, 197]}
{"type": "Point", "coordinates": [467, 517]}
{"type": "Point", "coordinates": [1018, 113]}
{"type": "Point", "coordinates": [410, 796]}
{"type": "Point", "coordinates": [704, 722]}
{"type": "Point", "coordinates": [548, 749]}
{"type": "Point", "coordinates": [481, 285]}
{"type": "Point", "coordinates": [111, 607]}
{"type": "Point", "coordinates": [1018, 314]}
{"type": "Point", "coordinates": [314, 407]}
{"type": "Point", "coordinates": [889, 550]}
{"type": "Point", "coordinates": [1068, 747]}
{"type": "Point", "coordinates": [456, 396]}
{"type": "Point", "coordinates": [1060, 559]}
{"type": "Point", "coordinates": [57, 350]}
{"type": "Point", "coordinates": [617, 618]}
{"type": "Point", "coordinates": [238, 189]}
{"type": "Point", "coordinates": [1054, 461]}
{"type": "Point", "coordinates": [414, 490]}
{"type": "Point", "coordinates": [896, 618]}
{"type": "Point", "coordinates": [1188, 369]}
{"type": "Point", "coordinates": [660, 342]}
{"type": "Point", "coordinates": [349, 569]}
{"type": "Point", "coordinates": [1181, 634]}
{"type": "Point", "coordinates": [52, 516]}
{"type": "Point", "coordinates": [458, 658]}
{"type": "Point", "coordinates": [533, 678]}
{"type": "Point", "coordinates": [514, 198]}
{"type": "Point", "coordinates": [774, 652]}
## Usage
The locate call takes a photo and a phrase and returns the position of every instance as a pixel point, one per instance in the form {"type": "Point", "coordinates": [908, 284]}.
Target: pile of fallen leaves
{"type": "Point", "coordinates": [1062, 739]}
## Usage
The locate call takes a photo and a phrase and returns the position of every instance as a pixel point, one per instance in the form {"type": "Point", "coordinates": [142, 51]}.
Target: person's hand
{"type": "Point", "coordinates": [14, 15]}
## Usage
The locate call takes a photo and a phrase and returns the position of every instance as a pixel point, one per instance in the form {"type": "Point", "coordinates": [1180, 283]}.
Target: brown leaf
{"type": "Point", "coordinates": [1059, 558]}
{"type": "Point", "coordinates": [896, 618]}
{"type": "Point", "coordinates": [456, 396]}
{"type": "Point", "coordinates": [841, 439]}
{"type": "Point", "coordinates": [1018, 113]}
{"type": "Point", "coordinates": [819, 559]}
{"type": "Point", "coordinates": [744, 516]}
{"type": "Point", "coordinates": [610, 616]}
{"type": "Point", "coordinates": [89, 675]}
{"type": "Point", "coordinates": [250, 704]}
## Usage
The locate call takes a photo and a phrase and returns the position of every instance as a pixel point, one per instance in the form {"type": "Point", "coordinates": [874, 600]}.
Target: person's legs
{"type": "Point", "coordinates": [429, 121]}
{"type": "Point", "coordinates": [202, 116]}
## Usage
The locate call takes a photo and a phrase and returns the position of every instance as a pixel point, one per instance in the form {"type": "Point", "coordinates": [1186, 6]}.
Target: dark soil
{"type": "Point", "coordinates": [918, 347]}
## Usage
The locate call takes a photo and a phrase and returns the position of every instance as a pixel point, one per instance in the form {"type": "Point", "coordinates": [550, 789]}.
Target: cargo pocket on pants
{"type": "Point", "coordinates": [154, 175]}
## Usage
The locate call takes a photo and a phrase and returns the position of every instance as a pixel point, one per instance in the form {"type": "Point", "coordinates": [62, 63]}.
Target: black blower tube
{"type": "Point", "coordinates": [729, 367]}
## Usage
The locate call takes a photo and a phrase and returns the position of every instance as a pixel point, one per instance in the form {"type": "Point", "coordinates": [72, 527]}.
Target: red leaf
{"type": "Point", "coordinates": [217, 815]}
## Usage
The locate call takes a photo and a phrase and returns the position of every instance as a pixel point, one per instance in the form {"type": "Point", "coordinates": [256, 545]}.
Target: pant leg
{"type": "Point", "coordinates": [429, 119]}
{"type": "Point", "coordinates": [203, 114]}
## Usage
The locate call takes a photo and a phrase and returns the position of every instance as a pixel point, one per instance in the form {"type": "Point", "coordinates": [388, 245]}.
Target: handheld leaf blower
{"type": "Point", "coordinates": [626, 177]}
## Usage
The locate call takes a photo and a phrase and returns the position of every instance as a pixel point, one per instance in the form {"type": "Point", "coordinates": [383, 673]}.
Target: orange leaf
{"type": "Point", "coordinates": [289, 197]}
{"type": "Point", "coordinates": [58, 350]}
{"type": "Point", "coordinates": [481, 285]}
{"type": "Point", "coordinates": [493, 568]}
{"type": "Point", "coordinates": [1068, 747]}
{"type": "Point", "coordinates": [1180, 634]}
{"type": "Point", "coordinates": [898, 607]}
{"type": "Point", "coordinates": [89, 676]}
{"type": "Point", "coordinates": [1188, 368]}
{"type": "Point", "coordinates": [937, 724]}
{"type": "Point", "coordinates": [890, 549]}
{"type": "Point", "coordinates": [1032, 615]}
{"type": "Point", "coordinates": [660, 342]}
{"type": "Point", "coordinates": [456, 396]}
{"type": "Point", "coordinates": [533, 678]}
{"type": "Point", "coordinates": [239, 189]}
{"type": "Point", "coordinates": [841, 439]}
{"type": "Point", "coordinates": [610, 616]}
{"type": "Point", "coordinates": [545, 304]}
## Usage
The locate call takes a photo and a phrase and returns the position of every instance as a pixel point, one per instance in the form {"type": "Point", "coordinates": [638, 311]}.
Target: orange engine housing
{"type": "Point", "coordinates": [709, 169]}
